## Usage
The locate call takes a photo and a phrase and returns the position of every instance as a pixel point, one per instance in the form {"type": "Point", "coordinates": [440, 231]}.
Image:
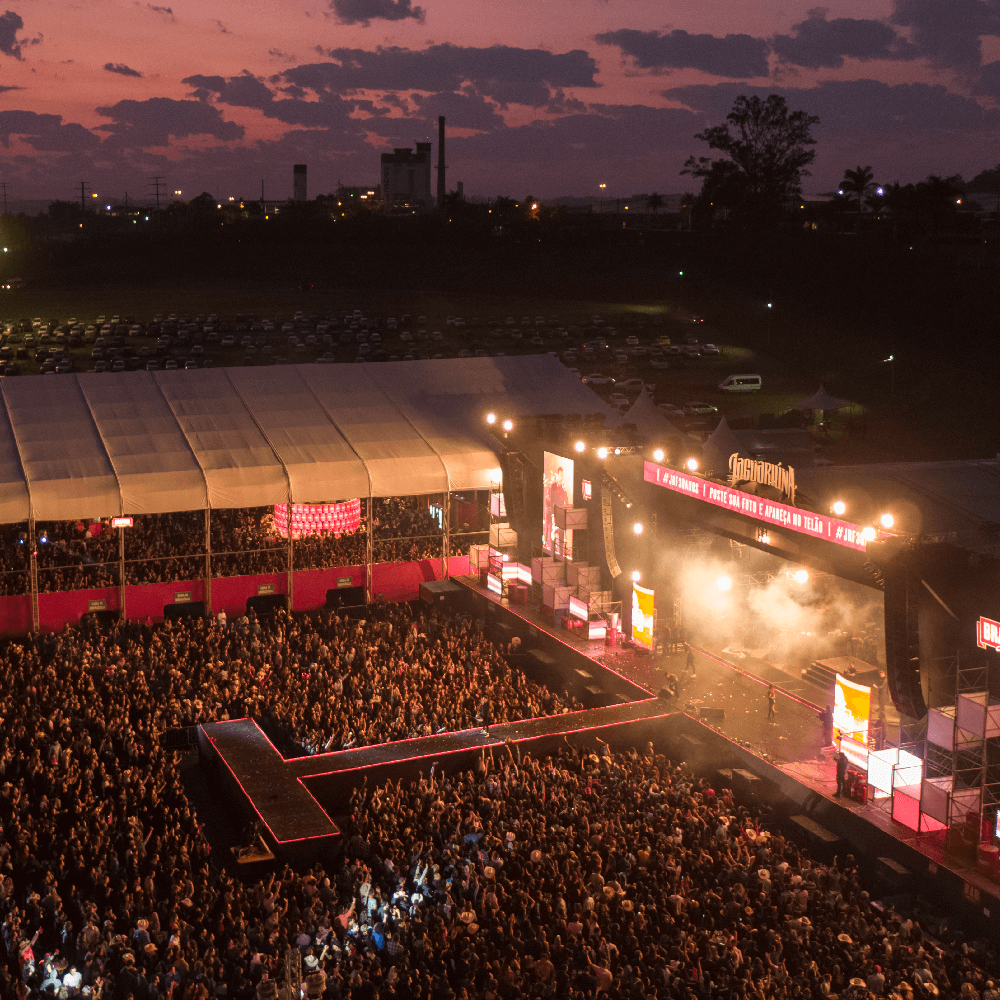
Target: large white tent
{"type": "Point", "coordinates": [100, 445]}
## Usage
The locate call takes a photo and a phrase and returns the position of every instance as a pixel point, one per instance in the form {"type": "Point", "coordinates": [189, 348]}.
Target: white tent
{"type": "Point", "coordinates": [721, 444]}
{"type": "Point", "coordinates": [99, 445]}
{"type": "Point", "coordinates": [648, 419]}
{"type": "Point", "coordinates": [822, 400]}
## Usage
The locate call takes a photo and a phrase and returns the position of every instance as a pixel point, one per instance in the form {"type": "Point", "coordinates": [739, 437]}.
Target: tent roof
{"type": "Point", "coordinates": [822, 400]}
{"type": "Point", "coordinates": [647, 418]}
{"type": "Point", "coordinates": [720, 445]}
{"type": "Point", "coordinates": [98, 445]}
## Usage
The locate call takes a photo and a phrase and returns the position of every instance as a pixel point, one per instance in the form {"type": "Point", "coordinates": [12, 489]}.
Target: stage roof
{"type": "Point", "coordinates": [957, 501]}
{"type": "Point", "coordinates": [100, 445]}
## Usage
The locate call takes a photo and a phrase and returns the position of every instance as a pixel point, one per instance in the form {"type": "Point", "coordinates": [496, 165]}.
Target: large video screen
{"type": "Point", "coordinates": [642, 616]}
{"type": "Point", "coordinates": [557, 491]}
{"type": "Point", "coordinates": [852, 704]}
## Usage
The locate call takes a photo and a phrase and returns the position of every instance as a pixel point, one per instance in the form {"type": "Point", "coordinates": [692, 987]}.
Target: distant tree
{"type": "Point", "coordinates": [858, 182]}
{"type": "Point", "coordinates": [654, 202]}
{"type": "Point", "coordinates": [768, 145]}
{"type": "Point", "coordinates": [687, 208]}
{"type": "Point", "coordinates": [65, 211]}
{"type": "Point", "coordinates": [938, 199]}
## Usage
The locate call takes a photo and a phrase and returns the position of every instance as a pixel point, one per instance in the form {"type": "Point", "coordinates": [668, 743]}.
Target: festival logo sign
{"type": "Point", "coordinates": [988, 634]}
{"type": "Point", "coordinates": [748, 470]}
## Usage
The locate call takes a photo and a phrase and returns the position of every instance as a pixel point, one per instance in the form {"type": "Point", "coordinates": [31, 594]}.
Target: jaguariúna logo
{"type": "Point", "coordinates": [748, 470]}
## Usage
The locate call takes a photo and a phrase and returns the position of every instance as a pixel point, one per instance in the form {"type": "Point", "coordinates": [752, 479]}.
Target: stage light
{"type": "Point", "coordinates": [637, 527]}
{"type": "Point", "coordinates": [724, 583]}
{"type": "Point", "coordinates": [801, 576]}
{"type": "Point", "coordinates": [602, 452]}
{"type": "Point", "coordinates": [618, 451]}
{"type": "Point", "coordinates": [888, 521]}
{"type": "Point", "coordinates": [765, 538]}
{"type": "Point", "coordinates": [658, 455]}
{"type": "Point", "coordinates": [506, 557]}
{"type": "Point", "coordinates": [491, 418]}
{"type": "Point", "coordinates": [692, 464]}
{"type": "Point", "coordinates": [580, 446]}
{"type": "Point", "coordinates": [636, 576]}
{"type": "Point", "coordinates": [508, 426]}
{"type": "Point", "coordinates": [868, 534]}
{"type": "Point", "coordinates": [839, 508]}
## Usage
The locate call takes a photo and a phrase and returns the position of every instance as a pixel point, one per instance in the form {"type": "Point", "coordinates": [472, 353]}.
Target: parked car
{"type": "Point", "coordinates": [671, 411]}
{"type": "Point", "coordinates": [701, 409]}
{"type": "Point", "coordinates": [631, 385]}
{"type": "Point", "coordinates": [598, 379]}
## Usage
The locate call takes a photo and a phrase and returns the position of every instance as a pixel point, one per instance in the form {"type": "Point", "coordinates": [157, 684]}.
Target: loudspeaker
{"type": "Point", "coordinates": [902, 643]}
{"type": "Point", "coordinates": [515, 486]}
{"type": "Point", "coordinates": [708, 712]}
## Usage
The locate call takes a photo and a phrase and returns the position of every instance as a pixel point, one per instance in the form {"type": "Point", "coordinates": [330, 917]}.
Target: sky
{"type": "Point", "coordinates": [548, 97]}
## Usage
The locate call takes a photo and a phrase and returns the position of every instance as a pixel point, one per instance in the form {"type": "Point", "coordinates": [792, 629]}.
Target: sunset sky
{"type": "Point", "coordinates": [547, 96]}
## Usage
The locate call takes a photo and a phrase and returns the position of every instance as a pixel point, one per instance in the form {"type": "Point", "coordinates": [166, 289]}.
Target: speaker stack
{"type": "Point", "coordinates": [902, 644]}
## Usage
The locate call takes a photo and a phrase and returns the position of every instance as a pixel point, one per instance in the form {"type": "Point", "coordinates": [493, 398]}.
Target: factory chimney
{"type": "Point", "coordinates": [299, 182]}
{"type": "Point", "coordinates": [441, 168]}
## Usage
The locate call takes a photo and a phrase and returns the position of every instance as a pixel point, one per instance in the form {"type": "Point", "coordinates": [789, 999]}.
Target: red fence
{"type": "Point", "coordinates": [393, 581]}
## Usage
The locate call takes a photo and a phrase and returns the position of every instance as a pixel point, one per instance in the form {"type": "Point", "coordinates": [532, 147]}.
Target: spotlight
{"type": "Point", "coordinates": [602, 452]}
{"type": "Point", "coordinates": [692, 464]}
{"type": "Point", "coordinates": [801, 576]}
{"type": "Point", "coordinates": [765, 538]}
{"type": "Point", "coordinates": [618, 451]}
{"type": "Point", "coordinates": [580, 446]}
{"type": "Point", "coordinates": [636, 576]}
{"type": "Point", "coordinates": [839, 508]}
{"type": "Point", "coordinates": [658, 455]}
{"type": "Point", "coordinates": [506, 557]}
{"type": "Point", "coordinates": [637, 527]}
{"type": "Point", "coordinates": [491, 418]}
{"type": "Point", "coordinates": [628, 504]}
{"type": "Point", "coordinates": [508, 426]}
{"type": "Point", "coordinates": [868, 534]}
{"type": "Point", "coordinates": [887, 521]}
{"type": "Point", "coordinates": [724, 583]}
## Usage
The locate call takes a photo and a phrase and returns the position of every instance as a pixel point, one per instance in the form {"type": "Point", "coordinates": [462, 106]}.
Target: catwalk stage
{"type": "Point", "coordinates": [301, 800]}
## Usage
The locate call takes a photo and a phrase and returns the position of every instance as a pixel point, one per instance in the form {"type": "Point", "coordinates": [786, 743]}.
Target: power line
{"type": "Point", "coordinates": [155, 183]}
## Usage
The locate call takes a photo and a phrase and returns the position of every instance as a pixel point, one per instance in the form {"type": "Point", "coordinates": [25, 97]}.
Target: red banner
{"type": "Point", "coordinates": [805, 522]}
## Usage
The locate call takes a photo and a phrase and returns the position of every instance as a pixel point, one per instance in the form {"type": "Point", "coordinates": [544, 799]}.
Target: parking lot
{"type": "Point", "coordinates": [675, 355]}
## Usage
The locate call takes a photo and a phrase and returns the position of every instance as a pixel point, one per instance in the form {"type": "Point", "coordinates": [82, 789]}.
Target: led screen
{"type": "Point", "coordinates": [642, 616]}
{"type": "Point", "coordinates": [557, 486]}
{"type": "Point", "coordinates": [852, 705]}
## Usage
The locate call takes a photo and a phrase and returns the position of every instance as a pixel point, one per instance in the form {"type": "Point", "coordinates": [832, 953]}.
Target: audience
{"type": "Point", "coordinates": [162, 548]}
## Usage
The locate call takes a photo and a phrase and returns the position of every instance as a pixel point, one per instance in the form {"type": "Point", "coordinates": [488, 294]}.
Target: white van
{"type": "Point", "coordinates": [741, 383]}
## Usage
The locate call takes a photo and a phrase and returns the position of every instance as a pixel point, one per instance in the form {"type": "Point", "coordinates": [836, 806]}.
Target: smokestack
{"type": "Point", "coordinates": [441, 185]}
{"type": "Point", "coordinates": [299, 182]}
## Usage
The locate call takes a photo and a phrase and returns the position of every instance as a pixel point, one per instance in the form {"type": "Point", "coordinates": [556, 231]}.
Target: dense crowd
{"type": "Point", "coordinates": [162, 548]}
{"type": "Point", "coordinates": [102, 854]}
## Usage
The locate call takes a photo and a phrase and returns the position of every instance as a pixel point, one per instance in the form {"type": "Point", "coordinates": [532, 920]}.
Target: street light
{"type": "Point", "coordinates": [602, 187]}
{"type": "Point", "coordinates": [770, 306]}
{"type": "Point", "coordinates": [580, 446]}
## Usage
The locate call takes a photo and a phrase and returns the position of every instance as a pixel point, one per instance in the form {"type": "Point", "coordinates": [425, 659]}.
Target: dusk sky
{"type": "Point", "coordinates": [551, 97]}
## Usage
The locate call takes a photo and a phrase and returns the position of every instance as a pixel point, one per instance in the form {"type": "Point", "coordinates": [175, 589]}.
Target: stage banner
{"type": "Point", "coordinates": [557, 491]}
{"type": "Point", "coordinates": [852, 705]}
{"type": "Point", "coordinates": [642, 616]}
{"type": "Point", "coordinates": [609, 534]}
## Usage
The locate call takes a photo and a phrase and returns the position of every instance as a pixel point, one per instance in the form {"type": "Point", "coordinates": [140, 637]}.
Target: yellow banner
{"type": "Point", "coordinates": [642, 616]}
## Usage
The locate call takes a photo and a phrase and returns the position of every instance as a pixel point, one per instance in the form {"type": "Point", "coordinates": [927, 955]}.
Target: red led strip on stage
{"type": "Point", "coordinates": [805, 522]}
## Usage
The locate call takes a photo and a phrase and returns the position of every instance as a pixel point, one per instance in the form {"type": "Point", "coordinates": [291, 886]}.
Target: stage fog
{"type": "Point", "coordinates": [737, 598]}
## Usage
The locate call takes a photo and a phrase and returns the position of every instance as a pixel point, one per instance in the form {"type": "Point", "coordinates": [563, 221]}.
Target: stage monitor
{"type": "Point", "coordinates": [852, 705]}
{"type": "Point", "coordinates": [557, 491]}
{"type": "Point", "coordinates": [642, 616]}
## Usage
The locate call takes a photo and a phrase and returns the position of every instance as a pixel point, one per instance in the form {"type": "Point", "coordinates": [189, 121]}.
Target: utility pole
{"type": "Point", "coordinates": [3, 184]}
{"type": "Point", "coordinates": [156, 182]}
{"type": "Point", "coordinates": [83, 195]}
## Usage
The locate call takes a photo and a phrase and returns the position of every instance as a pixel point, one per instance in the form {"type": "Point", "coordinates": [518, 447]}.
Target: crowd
{"type": "Point", "coordinates": [102, 861]}
{"type": "Point", "coordinates": [162, 548]}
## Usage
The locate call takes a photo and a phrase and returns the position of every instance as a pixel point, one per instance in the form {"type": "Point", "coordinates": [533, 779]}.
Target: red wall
{"type": "Point", "coordinates": [309, 586]}
{"type": "Point", "coordinates": [15, 614]}
{"type": "Point", "coordinates": [230, 593]}
{"type": "Point", "coordinates": [393, 581]}
{"type": "Point", "coordinates": [55, 610]}
{"type": "Point", "coordinates": [147, 600]}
